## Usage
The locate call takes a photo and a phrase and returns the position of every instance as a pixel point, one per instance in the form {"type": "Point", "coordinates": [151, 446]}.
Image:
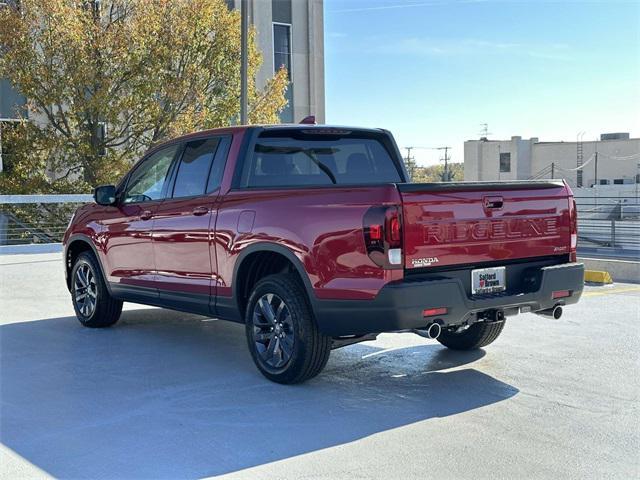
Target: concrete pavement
{"type": "Point", "coordinates": [170, 395]}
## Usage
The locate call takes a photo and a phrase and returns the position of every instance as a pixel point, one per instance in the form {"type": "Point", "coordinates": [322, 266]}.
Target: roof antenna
{"type": "Point", "coordinates": [310, 120]}
{"type": "Point", "coordinates": [484, 133]}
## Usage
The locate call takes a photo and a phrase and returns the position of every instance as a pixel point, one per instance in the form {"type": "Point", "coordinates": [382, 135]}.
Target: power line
{"type": "Point", "coordinates": [633, 156]}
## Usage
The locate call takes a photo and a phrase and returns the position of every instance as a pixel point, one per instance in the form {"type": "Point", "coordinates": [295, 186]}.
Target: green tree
{"type": "Point", "coordinates": [106, 79]}
{"type": "Point", "coordinates": [435, 173]}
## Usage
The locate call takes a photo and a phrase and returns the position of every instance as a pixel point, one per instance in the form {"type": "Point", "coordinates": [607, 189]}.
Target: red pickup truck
{"type": "Point", "coordinates": [313, 237]}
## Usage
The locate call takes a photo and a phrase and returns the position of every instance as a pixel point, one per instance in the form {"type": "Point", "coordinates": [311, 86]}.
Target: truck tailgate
{"type": "Point", "coordinates": [447, 224]}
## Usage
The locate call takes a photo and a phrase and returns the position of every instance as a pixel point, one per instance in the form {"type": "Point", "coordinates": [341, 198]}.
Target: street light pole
{"type": "Point", "coordinates": [244, 61]}
{"type": "Point", "coordinates": [596, 164]}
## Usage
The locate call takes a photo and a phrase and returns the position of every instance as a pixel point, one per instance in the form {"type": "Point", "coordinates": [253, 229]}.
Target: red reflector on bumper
{"type": "Point", "coordinates": [430, 312]}
{"type": "Point", "coordinates": [560, 294]}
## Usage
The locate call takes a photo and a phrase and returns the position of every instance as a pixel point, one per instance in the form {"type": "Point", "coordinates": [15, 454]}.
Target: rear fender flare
{"type": "Point", "coordinates": [284, 251]}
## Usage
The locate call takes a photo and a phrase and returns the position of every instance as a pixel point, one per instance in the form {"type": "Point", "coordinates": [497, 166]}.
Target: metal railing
{"type": "Point", "coordinates": [621, 234]}
{"type": "Point", "coordinates": [35, 219]}
{"type": "Point", "coordinates": [607, 226]}
{"type": "Point", "coordinates": [608, 207]}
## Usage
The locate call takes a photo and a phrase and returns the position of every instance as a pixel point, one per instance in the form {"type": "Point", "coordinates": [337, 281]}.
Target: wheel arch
{"type": "Point", "coordinates": [249, 269]}
{"type": "Point", "coordinates": [76, 245]}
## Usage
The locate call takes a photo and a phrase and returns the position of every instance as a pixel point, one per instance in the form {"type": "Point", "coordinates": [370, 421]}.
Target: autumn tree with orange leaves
{"type": "Point", "coordinates": [106, 79]}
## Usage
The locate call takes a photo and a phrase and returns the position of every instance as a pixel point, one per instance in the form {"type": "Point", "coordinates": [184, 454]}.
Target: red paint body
{"type": "Point", "coordinates": [321, 226]}
{"type": "Point", "coordinates": [163, 245]}
{"type": "Point", "coordinates": [456, 228]}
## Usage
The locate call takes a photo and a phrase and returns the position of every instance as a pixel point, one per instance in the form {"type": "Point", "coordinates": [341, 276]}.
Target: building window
{"type": "Point", "coordinates": [505, 162]}
{"type": "Point", "coordinates": [282, 58]}
{"type": "Point", "coordinates": [6, 159]}
{"type": "Point", "coordinates": [281, 11]}
{"type": "Point", "coordinates": [12, 103]}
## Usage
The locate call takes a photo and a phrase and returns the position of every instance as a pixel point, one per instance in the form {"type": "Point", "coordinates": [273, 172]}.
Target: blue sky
{"type": "Point", "coordinates": [433, 71]}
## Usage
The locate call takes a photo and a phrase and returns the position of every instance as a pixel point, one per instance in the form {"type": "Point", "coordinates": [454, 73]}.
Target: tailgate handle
{"type": "Point", "coordinates": [493, 202]}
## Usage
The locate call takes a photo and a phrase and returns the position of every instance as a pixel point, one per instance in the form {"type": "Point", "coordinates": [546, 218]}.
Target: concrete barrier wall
{"type": "Point", "coordinates": [620, 270]}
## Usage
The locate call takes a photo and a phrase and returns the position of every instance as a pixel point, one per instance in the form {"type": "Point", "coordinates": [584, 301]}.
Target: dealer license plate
{"type": "Point", "coordinates": [488, 280]}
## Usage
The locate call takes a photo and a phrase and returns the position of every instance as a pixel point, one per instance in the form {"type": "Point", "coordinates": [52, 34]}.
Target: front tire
{"type": "Point", "coordinates": [94, 306]}
{"type": "Point", "coordinates": [476, 336]}
{"type": "Point", "coordinates": [282, 336]}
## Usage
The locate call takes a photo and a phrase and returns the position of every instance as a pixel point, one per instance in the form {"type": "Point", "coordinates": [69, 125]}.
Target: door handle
{"type": "Point", "coordinates": [200, 211]}
{"type": "Point", "coordinates": [146, 215]}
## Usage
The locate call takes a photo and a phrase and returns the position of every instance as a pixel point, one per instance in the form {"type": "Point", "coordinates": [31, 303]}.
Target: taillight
{"type": "Point", "coordinates": [573, 219]}
{"type": "Point", "coordinates": [375, 232]}
{"type": "Point", "coordinates": [394, 231]}
{"type": "Point", "coordinates": [382, 228]}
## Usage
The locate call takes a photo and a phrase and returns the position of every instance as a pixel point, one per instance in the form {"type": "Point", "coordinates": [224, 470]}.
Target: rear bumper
{"type": "Point", "coordinates": [399, 305]}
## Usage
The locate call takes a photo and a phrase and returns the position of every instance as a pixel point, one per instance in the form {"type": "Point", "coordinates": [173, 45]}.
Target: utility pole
{"type": "Point", "coordinates": [446, 176]}
{"type": "Point", "coordinates": [410, 163]}
{"type": "Point", "coordinates": [244, 61]}
{"type": "Point", "coordinates": [553, 170]}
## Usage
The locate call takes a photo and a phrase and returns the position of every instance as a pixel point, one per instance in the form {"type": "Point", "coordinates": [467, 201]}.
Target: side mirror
{"type": "Point", "coordinates": [105, 195]}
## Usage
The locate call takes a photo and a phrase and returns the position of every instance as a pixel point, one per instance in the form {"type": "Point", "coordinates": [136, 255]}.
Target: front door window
{"type": "Point", "coordinates": [147, 181]}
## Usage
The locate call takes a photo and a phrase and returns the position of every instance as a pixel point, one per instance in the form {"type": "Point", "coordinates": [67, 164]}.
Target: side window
{"type": "Point", "coordinates": [148, 179]}
{"type": "Point", "coordinates": [194, 167]}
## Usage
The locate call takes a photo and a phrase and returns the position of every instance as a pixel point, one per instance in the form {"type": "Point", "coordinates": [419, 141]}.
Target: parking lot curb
{"type": "Point", "coordinates": [625, 271]}
{"type": "Point", "coordinates": [597, 276]}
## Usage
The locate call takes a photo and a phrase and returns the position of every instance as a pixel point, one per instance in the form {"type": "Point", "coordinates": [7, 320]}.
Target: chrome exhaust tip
{"type": "Point", "coordinates": [553, 313]}
{"type": "Point", "coordinates": [432, 331]}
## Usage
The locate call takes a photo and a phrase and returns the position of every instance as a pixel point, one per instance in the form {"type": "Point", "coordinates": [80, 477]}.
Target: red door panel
{"type": "Point", "coordinates": [182, 246]}
{"type": "Point", "coordinates": [126, 236]}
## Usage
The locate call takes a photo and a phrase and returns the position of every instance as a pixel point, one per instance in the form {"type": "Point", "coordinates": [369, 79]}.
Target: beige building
{"type": "Point", "coordinates": [291, 33]}
{"type": "Point", "coordinates": [612, 160]}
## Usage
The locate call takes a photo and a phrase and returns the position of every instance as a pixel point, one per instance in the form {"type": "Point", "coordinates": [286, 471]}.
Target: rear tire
{"type": "Point", "coordinates": [94, 306]}
{"type": "Point", "coordinates": [282, 335]}
{"type": "Point", "coordinates": [476, 336]}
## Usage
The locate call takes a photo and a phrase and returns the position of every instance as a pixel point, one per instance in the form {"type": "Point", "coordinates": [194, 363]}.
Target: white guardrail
{"type": "Point", "coordinates": [63, 198]}
{"type": "Point", "coordinates": [36, 223]}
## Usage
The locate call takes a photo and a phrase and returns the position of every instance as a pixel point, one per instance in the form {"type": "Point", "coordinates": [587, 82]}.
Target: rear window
{"type": "Point", "coordinates": [299, 160]}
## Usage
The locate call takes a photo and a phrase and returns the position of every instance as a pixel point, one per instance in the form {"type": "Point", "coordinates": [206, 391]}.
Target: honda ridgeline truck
{"type": "Point", "coordinates": [313, 237]}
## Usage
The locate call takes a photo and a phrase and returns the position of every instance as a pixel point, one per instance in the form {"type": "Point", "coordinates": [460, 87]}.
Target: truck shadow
{"type": "Point", "coordinates": [166, 395]}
